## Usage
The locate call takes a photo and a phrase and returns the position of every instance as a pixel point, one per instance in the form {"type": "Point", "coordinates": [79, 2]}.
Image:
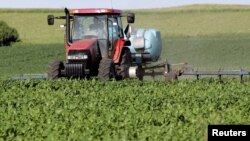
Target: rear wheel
{"type": "Point", "coordinates": [54, 69]}
{"type": "Point", "coordinates": [106, 69]}
{"type": "Point", "coordinates": [122, 70]}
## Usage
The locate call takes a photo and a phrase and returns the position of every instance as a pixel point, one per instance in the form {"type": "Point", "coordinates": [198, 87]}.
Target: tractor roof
{"type": "Point", "coordinates": [95, 11]}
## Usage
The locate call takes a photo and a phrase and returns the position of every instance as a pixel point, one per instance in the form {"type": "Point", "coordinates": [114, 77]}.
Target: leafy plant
{"type": "Point", "coordinates": [126, 110]}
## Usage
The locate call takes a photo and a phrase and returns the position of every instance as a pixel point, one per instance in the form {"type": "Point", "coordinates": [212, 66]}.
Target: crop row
{"type": "Point", "coordinates": [126, 110]}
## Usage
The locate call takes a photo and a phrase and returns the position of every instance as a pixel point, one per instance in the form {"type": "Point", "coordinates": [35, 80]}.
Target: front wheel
{"type": "Point", "coordinates": [54, 69]}
{"type": "Point", "coordinates": [106, 69]}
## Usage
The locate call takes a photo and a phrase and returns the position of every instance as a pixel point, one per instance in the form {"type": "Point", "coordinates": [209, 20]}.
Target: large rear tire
{"type": "Point", "coordinates": [106, 69]}
{"type": "Point", "coordinates": [54, 69]}
{"type": "Point", "coordinates": [123, 69]}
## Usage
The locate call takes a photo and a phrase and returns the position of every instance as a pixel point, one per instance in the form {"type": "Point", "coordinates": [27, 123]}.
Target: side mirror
{"type": "Point", "coordinates": [131, 18]}
{"type": "Point", "coordinates": [50, 19]}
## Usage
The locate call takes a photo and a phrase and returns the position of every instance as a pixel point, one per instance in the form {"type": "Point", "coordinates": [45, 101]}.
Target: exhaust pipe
{"type": "Point", "coordinates": [68, 39]}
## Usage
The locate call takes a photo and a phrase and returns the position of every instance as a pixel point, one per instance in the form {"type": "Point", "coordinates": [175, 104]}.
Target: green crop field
{"type": "Point", "coordinates": [128, 110]}
{"type": "Point", "coordinates": [209, 37]}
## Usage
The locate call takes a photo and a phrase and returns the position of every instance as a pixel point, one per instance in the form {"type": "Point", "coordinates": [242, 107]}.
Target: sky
{"type": "Point", "coordinates": [117, 4]}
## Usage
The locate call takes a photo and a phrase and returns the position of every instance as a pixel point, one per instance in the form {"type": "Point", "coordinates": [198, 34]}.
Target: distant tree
{"type": "Point", "coordinates": [7, 34]}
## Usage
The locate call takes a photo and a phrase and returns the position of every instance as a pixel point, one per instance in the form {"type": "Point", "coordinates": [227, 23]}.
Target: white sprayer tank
{"type": "Point", "coordinates": [147, 42]}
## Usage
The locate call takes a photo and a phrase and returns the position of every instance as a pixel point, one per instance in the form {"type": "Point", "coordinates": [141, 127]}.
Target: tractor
{"type": "Point", "coordinates": [97, 45]}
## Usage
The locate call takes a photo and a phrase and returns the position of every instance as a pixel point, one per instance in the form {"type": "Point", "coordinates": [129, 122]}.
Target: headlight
{"type": "Point", "coordinates": [78, 57]}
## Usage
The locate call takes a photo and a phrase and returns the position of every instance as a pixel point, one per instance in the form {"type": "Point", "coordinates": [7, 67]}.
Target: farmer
{"type": "Point", "coordinates": [98, 28]}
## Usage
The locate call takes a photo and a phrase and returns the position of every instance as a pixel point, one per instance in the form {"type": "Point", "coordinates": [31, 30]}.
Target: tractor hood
{"type": "Point", "coordinates": [84, 44]}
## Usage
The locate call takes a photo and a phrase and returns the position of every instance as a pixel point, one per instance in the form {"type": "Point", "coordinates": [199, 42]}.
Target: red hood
{"type": "Point", "coordinates": [84, 44]}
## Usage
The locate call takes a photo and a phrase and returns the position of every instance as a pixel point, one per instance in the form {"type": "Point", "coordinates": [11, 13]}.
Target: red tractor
{"type": "Point", "coordinates": [95, 44]}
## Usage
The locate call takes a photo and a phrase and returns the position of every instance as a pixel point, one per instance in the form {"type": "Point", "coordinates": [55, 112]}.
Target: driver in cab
{"type": "Point", "coordinates": [97, 28]}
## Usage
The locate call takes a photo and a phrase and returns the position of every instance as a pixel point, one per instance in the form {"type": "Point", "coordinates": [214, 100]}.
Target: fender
{"type": "Point", "coordinates": [118, 50]}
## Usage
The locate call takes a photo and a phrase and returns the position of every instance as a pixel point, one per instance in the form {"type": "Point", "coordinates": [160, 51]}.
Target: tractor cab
{"type": "Point", "coordinates": [94, 39]}
{"type": "Point", "coordinates": [104, 26]}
